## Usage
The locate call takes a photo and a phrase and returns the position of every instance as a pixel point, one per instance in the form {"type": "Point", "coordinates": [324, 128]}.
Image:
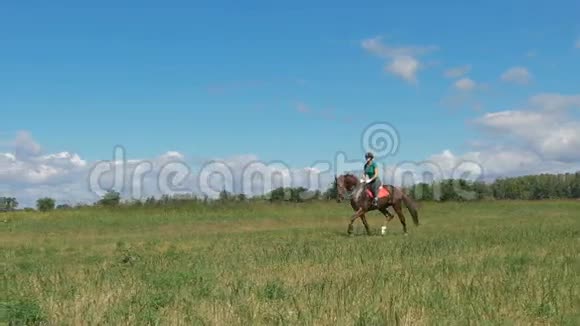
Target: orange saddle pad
{"type": "Point", "coordinates": [383, 192]}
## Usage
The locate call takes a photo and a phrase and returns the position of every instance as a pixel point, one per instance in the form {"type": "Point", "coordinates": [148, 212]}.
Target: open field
{"type": "Point", "coordinates": [481, 263]}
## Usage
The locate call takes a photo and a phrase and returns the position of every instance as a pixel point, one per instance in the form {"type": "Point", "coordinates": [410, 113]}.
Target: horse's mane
{"type": "Point", "coordinates": [349, 175]}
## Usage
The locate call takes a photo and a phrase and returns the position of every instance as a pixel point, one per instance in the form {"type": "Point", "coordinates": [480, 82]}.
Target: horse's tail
{"type": "Point", "coordinates": [412, 207]}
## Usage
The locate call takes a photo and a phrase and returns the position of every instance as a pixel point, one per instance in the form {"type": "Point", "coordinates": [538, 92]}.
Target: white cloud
{"type": "Point", "coordinates": [500, 161]}
{"type": "Point", "coordinates": [29, 174]}
{"type": "Point", "coordinates": [553, 135]}
{"type": "Point", "coordinates": [555, 101]}
{"type": "Point", "coordinates": [531, 54]}
{"type": "Point", "coordinates": [542, 138]}
{"type": "Point", "coordinates": [486, 164]}
{"type": "Point", "coordinates": [403, 61]}
{"type": "Point", "coordinates": [66, 177]}
{"type": "Point", "coordinates": [514, 120]}
{"type": "Point", "coordinates": [457, 72]}
{"type": "Point", "coordinates": [492, 162]}
{"type": "Point", "coordinates": [302, 108]}
{"type": "Point", "coordinates": [405, 67]}
{"type": "Point", "coordinates": [24, 145]}
{"type": "Point", "coordinates": [171, 156]}
{"type": "Point", "coordinates": [464, 95]}
{"type": "Point", "coordinates": [252, 176]}
{"type": "Point", "coordinates": [517, 75]}
{"type": "Point", "coordinates": [376, 46]}
{"type": "Point", "coordinates": [38, 169]}
{"type": "Point", "coordinates": [465, 84]}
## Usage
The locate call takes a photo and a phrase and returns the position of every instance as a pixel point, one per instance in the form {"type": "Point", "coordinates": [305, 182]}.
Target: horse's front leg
{"type": "Point", "coordinates": [353, 218]}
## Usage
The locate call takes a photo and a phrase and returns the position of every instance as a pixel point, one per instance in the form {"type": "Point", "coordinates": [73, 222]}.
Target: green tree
{"type": "Point", "coordinates": [111, 199]}
{"type": "Point", "coordinates": [575, 187]}
{"type": "Point", "coordinates": [45, 204]}
{"type": "Point", "coordinates": [8, 203]}
{"type": "Point", "coordinates": [310, 195]}
{"type": "Point", "coordinates": [482, 190]}
{"type": "Point", "coordinates": [165, 200]}
{"type": "Point", "coordinates": [278, 194]}
{"type": "Point", "coordinates": [530, 187]}
{"type": "Point", "coordinates": [225, 195]}
{"type": "Point", "coordinates": [421, 191]}
{"type": "Point", "coordinates": [332, 192]}
{"type": "Point", "coordinates": [296, 194]}
{"type": "Point", "coordinates": [447, 190]}
{"type": "Point", "coordinates": [317, 195]}
{"type": "Point", "coordinates": [150, 201]}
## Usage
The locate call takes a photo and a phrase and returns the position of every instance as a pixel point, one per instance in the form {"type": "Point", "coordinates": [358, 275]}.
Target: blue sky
{"type": "Point", "coordinates": [292, 82]}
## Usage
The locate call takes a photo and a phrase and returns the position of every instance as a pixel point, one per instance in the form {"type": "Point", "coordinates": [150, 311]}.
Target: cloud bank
{"type": "Point", "coordinates": [543, 137]}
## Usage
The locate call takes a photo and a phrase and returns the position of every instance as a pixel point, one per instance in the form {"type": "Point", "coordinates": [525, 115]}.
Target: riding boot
{"type": "Point", "coordinates": [376, 201]}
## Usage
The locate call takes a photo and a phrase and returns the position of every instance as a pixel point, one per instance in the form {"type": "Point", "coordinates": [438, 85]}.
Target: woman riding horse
{"type": "Point", "coordinates": [361, 202]}
{"type": "Point", "coordinates": [371, 172]}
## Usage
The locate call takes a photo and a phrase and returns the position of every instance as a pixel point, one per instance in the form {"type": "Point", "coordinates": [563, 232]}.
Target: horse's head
{"type": "Point", "coordinates": [345, 183]}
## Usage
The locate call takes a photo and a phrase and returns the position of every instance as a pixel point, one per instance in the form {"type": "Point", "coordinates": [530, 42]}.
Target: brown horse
{"type": "Point", "coordinates": [361, 202]}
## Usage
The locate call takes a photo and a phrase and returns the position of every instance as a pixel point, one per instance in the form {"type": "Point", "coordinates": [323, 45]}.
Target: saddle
{"type": "Point", "coordinates": [383, 192]}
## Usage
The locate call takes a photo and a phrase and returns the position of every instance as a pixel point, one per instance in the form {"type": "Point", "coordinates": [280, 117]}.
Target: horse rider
{"type": "Point", "coordinates": [371, 174]}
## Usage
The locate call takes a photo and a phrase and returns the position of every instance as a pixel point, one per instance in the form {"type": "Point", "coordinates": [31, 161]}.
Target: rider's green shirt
{"type": "Point", "coordinates": [370, 169]}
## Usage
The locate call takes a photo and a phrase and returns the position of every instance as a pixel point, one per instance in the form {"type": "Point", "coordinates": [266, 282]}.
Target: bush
{"type": "Point", "coordinates": [45, 204]}
{"type": "Point", "coordinates": [111, 198]}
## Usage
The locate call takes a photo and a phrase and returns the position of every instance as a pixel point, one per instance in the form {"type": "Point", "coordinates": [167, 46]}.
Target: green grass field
{"type": "Point", "coordinates": [508, 263]}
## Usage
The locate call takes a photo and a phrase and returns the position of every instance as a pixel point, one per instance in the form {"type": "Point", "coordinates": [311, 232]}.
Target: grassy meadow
{"type": "Point", "coordinates": [484, 263]}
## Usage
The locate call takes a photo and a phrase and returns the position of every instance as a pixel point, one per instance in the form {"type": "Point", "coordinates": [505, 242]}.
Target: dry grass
{"type": "Point", "coordinates": [494, 262]}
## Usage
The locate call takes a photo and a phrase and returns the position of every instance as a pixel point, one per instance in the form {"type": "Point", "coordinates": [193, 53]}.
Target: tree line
{"type": "Point", "coordinates": [45, 204]}
{"type": "Point", "coordinates": [531, 187]}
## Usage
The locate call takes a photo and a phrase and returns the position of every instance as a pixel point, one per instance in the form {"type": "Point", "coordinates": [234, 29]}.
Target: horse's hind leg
{"type": "Point", "coordinates": [366, 224]}
{"type": "Point", "coordinates": [399, 211]}
{"type": "Point", "coordinates": [387, 214]}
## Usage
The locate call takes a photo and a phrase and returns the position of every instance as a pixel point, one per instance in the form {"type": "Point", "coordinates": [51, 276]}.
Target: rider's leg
{"type": "Point", "coordinates": [375, 189]}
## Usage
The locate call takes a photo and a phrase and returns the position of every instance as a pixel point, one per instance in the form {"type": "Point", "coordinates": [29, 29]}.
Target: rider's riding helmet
{"type": "Point", "coordinates": [369, 155]}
